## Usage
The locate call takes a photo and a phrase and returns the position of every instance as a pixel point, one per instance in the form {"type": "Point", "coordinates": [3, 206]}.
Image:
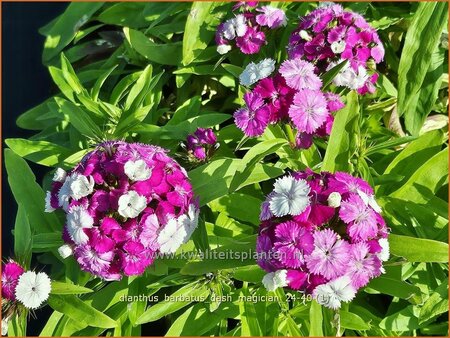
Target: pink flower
{"type": "Point", "coordinates": [360, 218]}
{"type": "Point", "coordinates": [254, 118]}
{"type": "Point", "coordinates": [271, 17]}
{"type": "Point", "coordinates": [330, 255]}
{"type": "Point", "coordinates": [296, 279]}
{"type": "Point", "coordinates": [362, 265]}
{"type": "Point", "coordinates": [334, 102]}
{"type": "Point", "coordinates": [293, 243]}
{"type": "Point", "coordinates": [300, 74]}
{"type": "Point", "coordinates": [308, 110]}
{"type": "Point", "coordinates": [345, 183]}
{"type": "Point", "coordinates": [11, 271]}
{"type": "Point", "coordinates": [251, 42]}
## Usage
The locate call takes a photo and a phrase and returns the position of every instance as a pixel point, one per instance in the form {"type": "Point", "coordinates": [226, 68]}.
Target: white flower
{"type": "Point", "coordinates": [59, 175]}
{"type": "Point", "coordinates": [189, 222]}
{"type": "Point", "coordinates": [338, 47]}
{"type": "Point", "coordinates": [385, 252]}
{"type": "Point", "coordinates": [334, 199]}
{"type": "Point", "coordinates": [64, 194]}
{"type": "Point", "coordinates": [275, 280]}
{"type": "Point", "coordinates": [33, 289]}
{"type": "Point", "coordinates": [234, 27]}
{"type": "Point", "coordinates": [78, 219]}
{"type": "Point", "coordinates": [137, 170]}
{"type": "Point", "coordinates": [348, 77]}
{"type": "Point", "coordinates": [255, 72]}
{"type": "Point", "coordinates": [5, 326]}
{"type": "Point", "coordinates": [369, 200]}
{"type": "Point", "coordinates": [333, 293]}
{"type": "Point", "coordinates": [48, 205]}
{"type": "Point", "coordinates": [290, 196]}
{"type": "Point", "coordinates": [171, 237]}
{"type": "Point", "coordinates": [223, 49]}
{"type": "Point", "coordinates": [131, 204]}
{"type": "Point", "coordinates": [65, 251]}
{"type": "Point", "coordinates": [81, 186]}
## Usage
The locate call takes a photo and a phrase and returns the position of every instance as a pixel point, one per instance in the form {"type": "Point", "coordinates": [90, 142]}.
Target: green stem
{"type": "Point", "coordinates": [289, 134]}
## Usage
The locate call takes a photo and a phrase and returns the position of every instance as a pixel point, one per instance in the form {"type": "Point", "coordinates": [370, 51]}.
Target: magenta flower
{"type": "Point", "coordinates": [308, 110]}
{"type": "Point", "coordinates": [300, 74]}
{"type": "Point", "coordinates": [277, 95]}
{"type": "Point", "coordinates": [360, 218]}
{"type": "Point", "coordinates": [254, 118]}
{"type": "Point", "coordinates": [251, 42]}
{"type": "Point", "coordinates": [135, 258]}
{"type": "Point", "coordinates": [199, 144]}
{"type": "Point", "coordinates": [293, 242]}
{"type": "Point", "coordinates": [330, 255]}
{"type": "Point", "coordinates": [362, 265]}
{"type": "Point", "coordinates": [11, 271]}
{"type": "Point", "coordinates": [344, 183]}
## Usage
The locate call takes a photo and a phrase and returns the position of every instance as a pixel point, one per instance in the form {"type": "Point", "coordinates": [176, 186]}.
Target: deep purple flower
{"type": "Point", "coordinates": [251, 42]}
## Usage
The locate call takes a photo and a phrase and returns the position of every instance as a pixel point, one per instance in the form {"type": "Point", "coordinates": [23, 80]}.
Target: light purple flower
{"type": "Point", "coordinates": [308, 110]}
{"type": "Point", "coordinates": [271, 17]}
{"type": "Point", "coordinates": [300, 74]}
{"type": "Point", "coordinates": [330, 255]}
{"type": "Point", "coordinates": [360, 218]}
{"type": "Point", "coordinates": [362, 265]}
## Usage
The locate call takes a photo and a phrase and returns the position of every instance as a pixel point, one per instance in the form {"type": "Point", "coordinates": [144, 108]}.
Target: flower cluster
{"type": "Point", "coordinates": [201, 144]}
{"type": "Point", "coordinates": [322, 234]}
{"type": "Point", "coordinates": [29, 288]}
{"type": "Point", "coordinates": [246, 29]}
{"type": "Point", "coordinates": [292, 96]}
{"type": "Point", "coordinates": [123, 202]}
{"type": "Point", "coordinates": [329, 35]}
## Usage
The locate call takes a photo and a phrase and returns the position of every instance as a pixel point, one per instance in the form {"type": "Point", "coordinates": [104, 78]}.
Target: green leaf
{"type": "Point", "coordinates": [99, 83]}
{"type": "Point", "coordinates": [249, 319]}
{"type": "Point", "coordinates": [129, 14]}
{"type": "Point", "coordinates": [186, 295]}
{"type": "Point", "coordinates": [316, 318]}
{"type": "Point", "coordinates": [253, 156]}
{"type": "Point", "coordinates": [421, 40]}
{"type": "Point", "coordinates": [80, 119]}
{"type": "Point", "coordinates": [435, 305]}
{"type": "Point", "coordinates": [426, 181]}
{"type": "Point", "coordinates": [233, 69]}
{"type": "Point", "coordinates": [61, 288]}
{"type": "Point", "coordinates": [46, 240]}
{"type": "Point", "coordinates": [352, 321]}
{"type": "Point", "coordinates": [41, 152]}
{"type": "Point", "coordinates": [79, 311]}
{"type": "Point", "coordinates": [418, 249]}
{"type": "Point", "coordinates": [30, 119]}
{"type": "Point", "coordinates": [393, 287]}
{"type": "Point", "coordinates": [212, 261]}
{"type": "Point", "coordinates": [342, 139]}
{"type": "Point", "coordinates": [240, 206]}
{"type": "Point", "coordinates": [199, 30]}
{"type": "Point", "coordinates": [403, 320]}
{"type": "Point", "coordinates": [165, 54]}
{"type": "Point", "coordinates": [64, 28]}
{"type": "Point", "coordinates": [22, 237]}
{"type": "Point", "coordinates": [28, 193]}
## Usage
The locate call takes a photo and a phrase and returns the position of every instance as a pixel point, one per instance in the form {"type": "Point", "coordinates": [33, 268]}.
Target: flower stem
{"type": "Point", "coordinates": [289, 134]}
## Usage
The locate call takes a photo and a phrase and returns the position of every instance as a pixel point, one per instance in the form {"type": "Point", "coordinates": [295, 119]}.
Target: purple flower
{"type": "Point", "coordinates": [91, 260]}
{"type": "Point", "coordinates": [308, 110]}
{"type": "Point", "coordinates": [11, 271]}
{"type": "Point", "coordinates": [346, 183]}
{"type": "Point", "coordinates": [251, 42]}
{"type": "Point", "coordinates": [330, 255]}
{"type": "Point", "coordinates": [198, 144]}
{"type": "Point", "coordinates": [334, 102]}
{"type": "Point", "coordinates": [360, 218]}
{"type": "Point", "coordinates": [362, 265]}
{"type": "Point", "coordinates": [300, 74]}
{"type": "Point", "coordinates": [271, 17]}
{"type": "Point", "coordinates": [293, 242]}
{"type": "Point", "coordinates": [254, 118]}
